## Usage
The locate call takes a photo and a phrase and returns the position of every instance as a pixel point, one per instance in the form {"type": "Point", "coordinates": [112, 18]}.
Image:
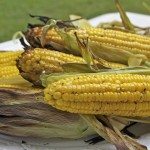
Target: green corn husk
{"type": "Point", "coordinates": [54, 77]}
{"type": "Point", "coordinates": [125, 20]}
{"type": "Point", "coordinates": [24, 113]}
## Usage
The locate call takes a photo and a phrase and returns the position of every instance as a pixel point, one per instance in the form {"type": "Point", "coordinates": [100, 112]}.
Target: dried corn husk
{"type": "Point", "coordinates": [24, 113]}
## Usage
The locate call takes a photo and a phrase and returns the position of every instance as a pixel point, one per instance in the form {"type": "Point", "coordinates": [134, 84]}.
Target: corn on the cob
{"type": "Point", "coordinates": [130, 42]}
{"type": "Point", "coordinates": [7, 71]}
{"type": "Point", "coordinates": [9, 58]}
{"type": "Point", "coordinates": [34, 62]}
{"type": "Point", "coordinates": [122, 95]}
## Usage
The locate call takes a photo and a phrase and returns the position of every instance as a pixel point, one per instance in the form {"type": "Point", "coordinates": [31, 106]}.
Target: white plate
{"type": "Point", "coordinates": [14, 143]}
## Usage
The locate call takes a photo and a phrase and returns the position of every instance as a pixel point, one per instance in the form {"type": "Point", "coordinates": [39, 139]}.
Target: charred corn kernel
{"type": "Point", "coordinates": [115, 94]}
{"type": "Point", "coordinates": [134, 43]}
{"type": "Point", "coordinates": [9, 58]}
{"type": "Point", "coordinates": [7, 71]}
{"type": "Point", "coordinates": [34, 62]}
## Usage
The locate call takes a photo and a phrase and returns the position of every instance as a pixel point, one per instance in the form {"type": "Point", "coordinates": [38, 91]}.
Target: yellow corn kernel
{"type": "Point", "coordinates": [9, 58]}
{"type": "Point", "coordinates": [7, 71]}
{"type": "Point", "coordinates": [115, 94]}
{"type": "Point", "coordinates": [52, 35]}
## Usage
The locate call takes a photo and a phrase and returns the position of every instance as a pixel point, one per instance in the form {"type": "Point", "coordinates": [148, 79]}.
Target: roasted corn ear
{"type": "Point", "coordinates": [33, 63]}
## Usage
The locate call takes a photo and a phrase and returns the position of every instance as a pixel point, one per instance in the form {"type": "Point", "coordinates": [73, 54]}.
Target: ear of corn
{"type": "Point", "coordinates": [122, 95]}
{"type": "Point", "coordinates": [9, 58]}
{"type": "Point", "coordinates": [35, 62]}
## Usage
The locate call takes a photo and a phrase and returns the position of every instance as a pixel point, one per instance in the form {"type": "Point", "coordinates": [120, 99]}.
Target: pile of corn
{"type": "Point", "coordinates": [93, 93]}
{"type": "Point", "coordinates": [88, 71]}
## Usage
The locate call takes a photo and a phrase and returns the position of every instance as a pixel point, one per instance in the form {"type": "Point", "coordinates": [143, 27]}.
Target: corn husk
{"type": "Point", "coordinates": [125, 20]}
{"type": "Point", "coordinates": [111, 133]}
{"type": "Point", "coordinates": [24, 113]}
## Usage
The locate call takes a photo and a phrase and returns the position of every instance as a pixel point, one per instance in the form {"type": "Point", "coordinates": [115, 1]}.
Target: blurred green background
{"type": "Point", "coordinates": [14, 13]}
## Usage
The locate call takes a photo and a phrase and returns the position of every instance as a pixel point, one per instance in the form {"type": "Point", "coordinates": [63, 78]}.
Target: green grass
{"type": "Point", "coordinates": [14, 13]}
